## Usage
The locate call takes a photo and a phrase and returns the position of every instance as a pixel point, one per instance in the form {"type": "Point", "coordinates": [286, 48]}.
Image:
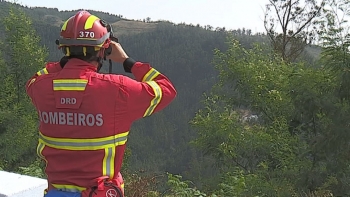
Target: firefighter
{"type": "Point", "coordinates": [85, 116]}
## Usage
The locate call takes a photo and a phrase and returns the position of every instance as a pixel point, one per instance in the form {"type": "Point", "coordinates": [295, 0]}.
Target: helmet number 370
{"type": "Point", "coordinates": [86, 34]}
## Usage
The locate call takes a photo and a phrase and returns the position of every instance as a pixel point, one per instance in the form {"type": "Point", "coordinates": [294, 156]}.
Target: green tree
{"type": "Point", "coordinates": [290, 25]}
{"type": "Point", "coordinates": [286, 151]}
{"type": "Point", "coordinates": [22, 57]}
{"type": "Point", "coordinates": [335, 56]}
{"type": "Point", "coordinates": [335, 40]}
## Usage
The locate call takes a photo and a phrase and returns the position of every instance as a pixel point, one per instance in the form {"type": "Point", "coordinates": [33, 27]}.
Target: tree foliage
{"type": "Point", "coordinates": [299, 142]}
{"type": "Point", "coordinates": [22, 57]}
{"type": "Point", "coordinates": [290, 25]}
{"type": "Point", "coordinates": [271, 126]}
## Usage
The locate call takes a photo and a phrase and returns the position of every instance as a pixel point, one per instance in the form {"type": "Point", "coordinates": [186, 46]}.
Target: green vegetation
{"type": "Point", "coordinates": [21, 57]}
{"type": "Point", "coordinates": [256, 114]}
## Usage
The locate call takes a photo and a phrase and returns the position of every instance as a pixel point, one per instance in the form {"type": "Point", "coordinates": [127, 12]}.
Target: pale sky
{"type": "Point", "coordinates": [231, 14]}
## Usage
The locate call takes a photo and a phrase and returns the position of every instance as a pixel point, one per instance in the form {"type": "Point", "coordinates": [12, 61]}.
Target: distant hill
{"type": "Point", "coordinates": [53, 17]}
{"type": "Point", "coordinates": [183, 52]}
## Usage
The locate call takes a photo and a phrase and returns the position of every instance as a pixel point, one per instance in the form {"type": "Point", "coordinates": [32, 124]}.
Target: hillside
{"type": "Point", "coordinates": [182, 52]}
{"type": "Point", "coordinates": [53, 17]}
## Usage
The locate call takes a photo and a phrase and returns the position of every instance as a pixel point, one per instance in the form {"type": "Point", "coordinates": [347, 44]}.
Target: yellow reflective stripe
{"type": "Point", "coordinates": [69, 188]}
{"type": "Point", "coordinates": [70, 81]}
{"type": "Point", "coordinates": [157, 97]}
{"type": "Point", "coordinates": [64, 26]}
{"type": "Point", "coordinates": [67, 51]}
{"type": "Point", "coordinates": [84, 144]}
{"type": "Point", "coordinates": [84, 51]}
{"type": "Point", "coordinates": [31, 81]}
{"type": "Point", "coordinates": [90, 22]}
{"type": "Point", "coordinates": [150, 75]}
{"type": "Point", "coordinates": [69, 84]}
{"type": "Point", "coordinates": [42, 72]}
{"type": "Point", "coordinates": [108, 162]}
{"type": "Point", "coordinates": [39, 150]}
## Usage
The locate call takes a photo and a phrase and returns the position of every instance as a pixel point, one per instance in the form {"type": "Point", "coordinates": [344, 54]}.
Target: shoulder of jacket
{"type": "Point", "coordinates": [42, 79]}
{"type": "Point", "coordinates": [112, 78]}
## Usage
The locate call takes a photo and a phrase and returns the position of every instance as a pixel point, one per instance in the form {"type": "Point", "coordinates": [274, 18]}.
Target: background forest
{"type": "Point", "coordinates": [263, 114]}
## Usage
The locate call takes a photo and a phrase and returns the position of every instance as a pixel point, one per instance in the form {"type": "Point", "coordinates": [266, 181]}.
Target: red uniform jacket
{"type": "Point", "coordinates": [85, 118]}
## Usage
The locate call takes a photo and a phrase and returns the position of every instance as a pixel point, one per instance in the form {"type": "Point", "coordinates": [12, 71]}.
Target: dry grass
{"type": "Point", "coordinates": [141, 185]}
{"type": "Point", "coordinates": [132, 27]}
{"type": "Point", "coordinates": [120, 27]}
{"type": "Point", "coordinates": [54, 20]}
{"type": "Point", "coordinates": [319, 194]}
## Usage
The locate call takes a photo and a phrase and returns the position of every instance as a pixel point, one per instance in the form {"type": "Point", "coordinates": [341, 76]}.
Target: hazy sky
{"type": "Point", "coordinates": [231, 14]}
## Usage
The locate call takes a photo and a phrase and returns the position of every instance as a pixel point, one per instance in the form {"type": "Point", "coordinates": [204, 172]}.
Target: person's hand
{"type": "Point", "coordinates": [118, 54]}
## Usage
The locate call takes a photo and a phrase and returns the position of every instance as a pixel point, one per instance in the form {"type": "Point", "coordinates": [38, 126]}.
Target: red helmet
{"type": "Point", "coordinates": [82, 33]}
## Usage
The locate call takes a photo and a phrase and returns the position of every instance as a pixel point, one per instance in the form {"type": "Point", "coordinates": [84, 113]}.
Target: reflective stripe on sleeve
{"type": "Point", "coordinates": [40, 149]}
{"type": "Point", "coordinates": [31, 82]}
{"type": "Point", "coordinates": [157, 97]}
{"type": "Point", "coordinates": [42, 72]}
{"type": "Point", "coordinates": [84, 144]}
{"type": "Point", "coordinates": [150, 75]}
{"type": "Point", "coordinates": [69, 84]}
{"type": "Point", "coordinates": [69, 188]}
{"type": "Point", "coordinates": [108, 162]}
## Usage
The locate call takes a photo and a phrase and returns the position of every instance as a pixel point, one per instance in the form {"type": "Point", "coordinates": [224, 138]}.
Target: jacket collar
{"type": "Point", "coordinates": [75, 63]}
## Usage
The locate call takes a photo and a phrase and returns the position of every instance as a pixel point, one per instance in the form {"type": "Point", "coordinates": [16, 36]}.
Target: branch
{"type": "Point", "coordinates": [279, 17]}
{"type": "Point", "coordinates": [308, 21]}
{"type": "Point", "coordinates": [285, 38]}
{"type": "Point", "coordinates": [289, 11]}
{"type": "Point", "coordinates": [268, 30]}
{"type": "Point", "coordinates": [237, 163]}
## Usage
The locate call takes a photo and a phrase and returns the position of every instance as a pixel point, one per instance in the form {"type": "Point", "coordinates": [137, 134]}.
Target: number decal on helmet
{"type": "Point", "coordinates": [86, 34]}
